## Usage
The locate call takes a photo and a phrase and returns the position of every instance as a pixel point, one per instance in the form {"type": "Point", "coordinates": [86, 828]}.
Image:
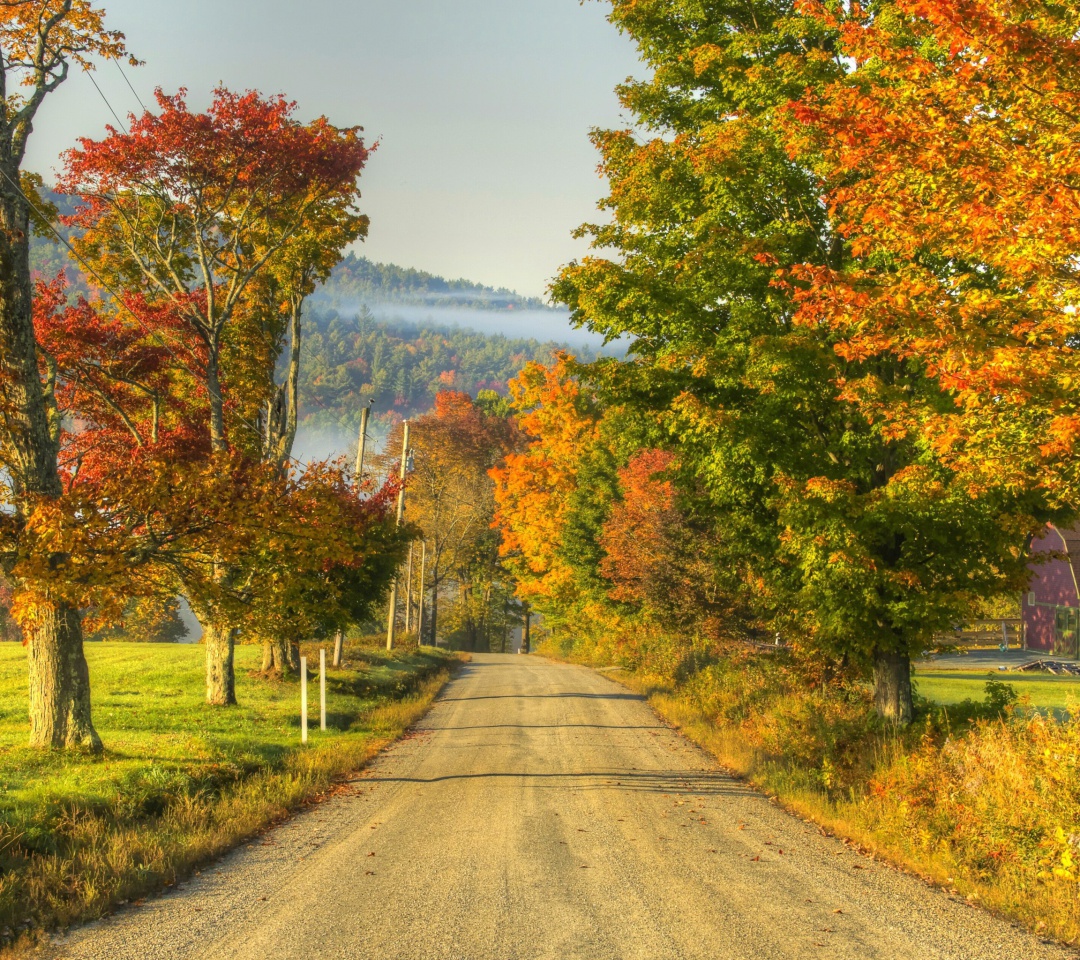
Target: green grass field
{"type": "Point", "coordinates": [179, 782]}
{"type": "Point", "coordinates": [1043, 691]}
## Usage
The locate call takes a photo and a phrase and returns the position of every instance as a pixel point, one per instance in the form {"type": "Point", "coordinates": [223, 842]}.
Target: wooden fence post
{"type": "Point", "coordinates": [303, 699]}
{"type": "Point", "coordinates": [322, 688]}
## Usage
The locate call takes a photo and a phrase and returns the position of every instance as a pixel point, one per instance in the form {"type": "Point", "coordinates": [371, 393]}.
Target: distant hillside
{"type": "Point", "coordinates": [359, 280]}
{"type": "Point", "coordinates": [402, 365]}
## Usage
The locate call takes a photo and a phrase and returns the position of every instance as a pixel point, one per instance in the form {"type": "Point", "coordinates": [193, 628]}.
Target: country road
{"type": "Point", "coordinates": [542, 811]}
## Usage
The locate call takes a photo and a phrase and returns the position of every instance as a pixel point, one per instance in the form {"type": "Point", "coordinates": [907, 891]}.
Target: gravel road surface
{"type": "Point", "coordinates": [542, 811]}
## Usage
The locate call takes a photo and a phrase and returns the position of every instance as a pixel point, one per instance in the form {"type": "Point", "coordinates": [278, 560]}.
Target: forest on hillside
{"type": "Point", "coordinates": [360, 280]}
{"type": "Point", "coordinates": [401, 365]}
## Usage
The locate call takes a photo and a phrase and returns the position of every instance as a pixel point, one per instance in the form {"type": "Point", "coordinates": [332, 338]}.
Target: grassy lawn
{"type": "Point", "coordinates": [1045, 691]}
{"type": "Point", "coordinates": [179, 782]}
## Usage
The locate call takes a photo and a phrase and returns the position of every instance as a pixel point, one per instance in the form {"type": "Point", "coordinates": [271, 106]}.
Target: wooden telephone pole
{"type": "Point", "coordinates": [400, 517]}
{"type": "Point", "coordinates": [365, 415]}
{"type": "Point", "coordinates": [420, 608]}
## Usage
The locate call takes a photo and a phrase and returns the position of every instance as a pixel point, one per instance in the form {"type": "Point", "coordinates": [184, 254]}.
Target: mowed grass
{"type": "Point", "coordinates": [179, 782]}
{"type": "Point", "coordinates": [1040, 690]}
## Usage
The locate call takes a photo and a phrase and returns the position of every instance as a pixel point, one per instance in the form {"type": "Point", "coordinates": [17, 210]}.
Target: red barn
{"type": "Point", "coordinates": [1052, 604]}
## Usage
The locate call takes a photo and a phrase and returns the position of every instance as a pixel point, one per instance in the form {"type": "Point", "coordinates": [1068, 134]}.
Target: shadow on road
{"type": "Point", "coordinates": [569, 695]}
{"type": "Point", "coordinates": [545, 726]}
{"type": "Point", "coordinates": [694, 783]}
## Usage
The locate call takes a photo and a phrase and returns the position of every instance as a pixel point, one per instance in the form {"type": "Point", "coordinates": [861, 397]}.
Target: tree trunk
{"type": "Point", "coordinates": [59, 678]}
{"type": "Point", "coordinates": [278, 658]}
{"type": "Point", "coordinates": [220, 676]}
{"type": "Point", "coordinates": [59, 681]}
{"type": "Point", "coordinates": [526, 639]}
{"type": "Point", "coordinates": [434, 612]}
{"type": "Point", "coordinates": [217, 404]}
{"type": "Point", "coordinates": [892, 687]}
{"type": "Point", "coordinates": [339, 648]}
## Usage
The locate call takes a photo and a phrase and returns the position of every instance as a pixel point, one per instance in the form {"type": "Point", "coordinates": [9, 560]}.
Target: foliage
{"type": "Point", "coordinates": [947, 152]}
{"type": "Point", "coordinates": [198, 211]}
{"type": "Point", "coordinates": [450, 500]}
{"type": "Point", "coordinates": [848, 535]}
{"type": "Point", "coordinates": [147, 620]}
{"type": "Point", "coordinates": [358, 280]}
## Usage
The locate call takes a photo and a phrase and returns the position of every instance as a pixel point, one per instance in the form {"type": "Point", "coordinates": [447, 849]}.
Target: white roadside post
{"type": "Point", "coordinates": [322, 689]}
{"type": "Point", "coordinates": [303, 699]}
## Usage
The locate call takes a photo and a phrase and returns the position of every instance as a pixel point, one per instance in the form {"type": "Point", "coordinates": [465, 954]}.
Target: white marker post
{"type": "Point", "coordinates": [303, 699]}
{"type": "Point", "coordinates": [322, 689]}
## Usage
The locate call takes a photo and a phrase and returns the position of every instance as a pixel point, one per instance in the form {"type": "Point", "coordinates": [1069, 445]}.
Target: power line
{"type": "Point", "coordinates": [123, 73]}
{"type": "Point", "coordinates": [116, 116]}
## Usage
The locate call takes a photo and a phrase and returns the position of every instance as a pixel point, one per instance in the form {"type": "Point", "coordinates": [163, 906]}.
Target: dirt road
{"type": "Point", "coordinates": [542, 811]}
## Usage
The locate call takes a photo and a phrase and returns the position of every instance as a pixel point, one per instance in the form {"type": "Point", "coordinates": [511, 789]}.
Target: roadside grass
{"type": "Point", "coordinates": [179, 782]}
{"type": "Point", "coordinates": [981, 797]}
{"type": "Point", "coordinates": [1043, 691]}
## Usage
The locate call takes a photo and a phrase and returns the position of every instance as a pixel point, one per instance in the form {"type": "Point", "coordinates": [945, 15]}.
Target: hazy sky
{"type": "Point", "coordinates": [482, 109]}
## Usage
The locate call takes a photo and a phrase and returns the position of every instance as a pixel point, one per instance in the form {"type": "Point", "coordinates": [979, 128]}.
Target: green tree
{"type": "Point", "coordinates": [846, 534]}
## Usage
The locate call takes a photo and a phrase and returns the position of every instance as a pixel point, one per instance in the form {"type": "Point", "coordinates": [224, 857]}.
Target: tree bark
{"type": "Point", "coordinates": [434, 612]}
{"type": "Point", "coordinates": [892, 687]}
{"type": "Point", "coordinates": [217, 403]}
{"type": "Point", "coordinates": [59, 677]}
{"type": "Point", "coordinates": [59, 681]}
{"type": "Point", "coordinates": [278, 658]}
{"type": "Point", "coordinates": [220, 675]}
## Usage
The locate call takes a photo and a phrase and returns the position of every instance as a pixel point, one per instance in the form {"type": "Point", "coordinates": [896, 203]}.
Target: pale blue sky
{"type": "Point", "coordinates": [482, 106]}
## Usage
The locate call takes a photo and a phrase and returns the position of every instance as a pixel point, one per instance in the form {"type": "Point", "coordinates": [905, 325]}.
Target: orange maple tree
{"type": "Point", "coordinates": [949, 155]}
{"type": "Point", "coordinates": [533, 486]}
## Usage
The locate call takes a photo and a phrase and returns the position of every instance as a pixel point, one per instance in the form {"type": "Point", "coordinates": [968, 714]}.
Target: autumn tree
{"type": "Point", "coordinates": [947, 154]}
{"type": "Point", "coordinates": [225, 220]}
{"type": "Point", "coordinates": [853, 539]}
{"type": "Point", "coordinates": [536, 484]}
{"type": "Point", "coordinates": [39, 42]}
{"type": "Point", "coordinates": [450, 498]}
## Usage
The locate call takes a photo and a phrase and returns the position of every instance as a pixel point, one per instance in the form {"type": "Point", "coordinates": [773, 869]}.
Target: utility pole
{"type": "Point", "coordinates": [365, 415]}
{"type": "Point", "coordinates": [420, 609]}
{"type": "Point", "coordinates": [400, 518]}
{"type": "Point", "coordinates": [525, 637]}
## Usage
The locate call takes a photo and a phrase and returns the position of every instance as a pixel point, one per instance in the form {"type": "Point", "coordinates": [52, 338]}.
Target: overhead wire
{"type": "Point", "coordinates": [123, 73]}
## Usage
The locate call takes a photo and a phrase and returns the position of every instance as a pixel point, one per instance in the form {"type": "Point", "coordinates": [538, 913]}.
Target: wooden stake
{"type": "Point", "coordinates": [303, 699]}
{"type": "Point", "coordinates": [322, 689]}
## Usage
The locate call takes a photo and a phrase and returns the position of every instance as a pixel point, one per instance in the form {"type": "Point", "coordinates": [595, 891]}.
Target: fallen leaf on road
{"type": "Point", "coordinates": [838, 911]}
{"type": "Point", "coordinates": [755, 858]}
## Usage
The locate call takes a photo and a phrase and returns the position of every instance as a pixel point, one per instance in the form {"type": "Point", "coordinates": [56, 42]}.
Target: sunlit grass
{"type": "Point", "coordinates": [179, 782]}
{"type": "Point", "coordinates": [1044, 691]}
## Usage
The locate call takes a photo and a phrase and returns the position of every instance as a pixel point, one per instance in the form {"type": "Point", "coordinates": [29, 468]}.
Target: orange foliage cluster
{"type": "Point", "coordinates": [950, 163]}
